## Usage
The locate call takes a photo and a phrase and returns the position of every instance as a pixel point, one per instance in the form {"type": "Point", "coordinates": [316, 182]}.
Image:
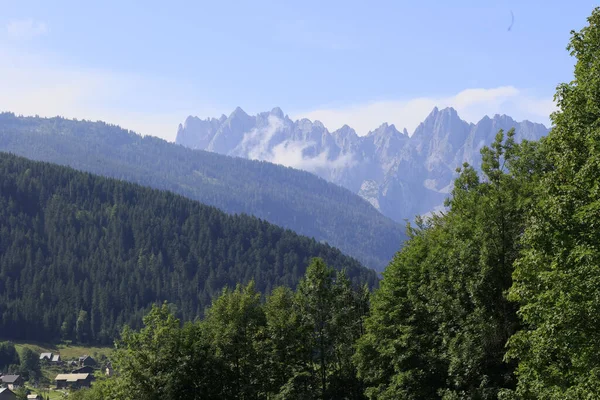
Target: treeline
{"type": "Point", "coordinates": [26, 364]}
{"type": "Point", "coordinates": [289, 198]}
{"type": "Point", "coordinates": [497, 298]}
{"type": "Point", "coordinates": [81, 255]}
{"type": "Point", "coordinates": [294, 345]}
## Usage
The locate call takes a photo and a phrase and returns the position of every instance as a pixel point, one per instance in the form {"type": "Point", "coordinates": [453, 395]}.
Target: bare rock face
{"type": "Point", "coordinates": [401, 175]}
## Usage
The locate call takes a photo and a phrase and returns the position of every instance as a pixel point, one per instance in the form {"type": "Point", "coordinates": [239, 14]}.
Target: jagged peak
{"type": "Point", "coordinates": [437, 113]}
{"type": "Point", "coordinates": [276, 111]}
{"type": "Point", "coordinates": [385, 129]}
{"type": "Point", "coordinates": [318, 123]}
{"type": "Point", "coordinates": [189, 119]}
{"type": "Point", "coordinates": [502, 116]}
{"type": "Point", "coordinates": [449, 111]}
{"type": "Point", "coordinates": [345, 131]}
{"type": "Point", "coordinates": [238, 112]}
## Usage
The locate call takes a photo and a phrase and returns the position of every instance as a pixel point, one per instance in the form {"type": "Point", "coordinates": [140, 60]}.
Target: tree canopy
{"type": "Point", "coordinates": [81, 255]}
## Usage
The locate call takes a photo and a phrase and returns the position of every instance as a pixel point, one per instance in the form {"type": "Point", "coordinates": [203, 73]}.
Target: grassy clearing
{"type": "Point", "coordinates": [66, 351]}
{"type": "Point", "coordinates": [48, 393]}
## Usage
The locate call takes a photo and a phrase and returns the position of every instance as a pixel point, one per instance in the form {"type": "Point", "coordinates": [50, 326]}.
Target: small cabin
{"type": "Point", "coordinates": [12, 381]}
{"type": "Point", "coordinates": [73, 381]}
{"type": "Point", "coordinates": [87, 361]}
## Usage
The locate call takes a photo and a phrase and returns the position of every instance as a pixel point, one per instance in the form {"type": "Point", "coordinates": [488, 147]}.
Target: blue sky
{"type": "Point", "coordinates": [147, 65]}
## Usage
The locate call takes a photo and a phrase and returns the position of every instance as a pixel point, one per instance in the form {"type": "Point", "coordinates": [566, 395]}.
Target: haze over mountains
{"type": "Point", "coordinates": [401, 175]}
{"type": "Point", "coordinates": [287, 197]}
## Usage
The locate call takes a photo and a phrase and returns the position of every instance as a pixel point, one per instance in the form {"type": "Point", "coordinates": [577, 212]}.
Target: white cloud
{"type": "Point", "coordinates": [26, 28]}
{"type": "Point", "coordinates": [256, 142]}
{"type": "Point", "coordinates": [291, 154]}
{"type": "Point", "coordinates": [471, 105]}
{"type": "Point", "coordinates": [257, 145]}
{"type": "Point", "coordinates": [36, 85]}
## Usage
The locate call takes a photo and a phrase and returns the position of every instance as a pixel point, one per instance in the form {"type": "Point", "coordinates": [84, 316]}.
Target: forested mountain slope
{"type": "Point", "coordinates": [287, 197]}
{"type": "Point", "coordinates": [81, 255]}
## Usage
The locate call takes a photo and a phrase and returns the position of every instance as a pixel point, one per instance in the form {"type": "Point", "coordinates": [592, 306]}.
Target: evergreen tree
{"type": "Point", "coordinates": [283, 345]}
{"type": "Point", "coordinates": [232, 326]}
{"type": "Point", "coordinates": [29, 367]}
{"type": "Point", "coordinates": [9, 357]}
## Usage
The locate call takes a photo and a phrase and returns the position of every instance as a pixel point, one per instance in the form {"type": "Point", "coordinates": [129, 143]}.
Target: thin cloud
{"type": "Point", "coordinates": [256, 144]}
{"type": "Point", "coordinates": [471, 105]}
{"type": "Point", "coordinates": [26, 28]}
{"type": "Point", "coordinates": [38, 85]}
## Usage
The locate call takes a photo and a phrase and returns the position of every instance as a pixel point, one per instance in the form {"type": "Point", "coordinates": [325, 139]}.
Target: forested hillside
{"type": "Point", "coordinates": [81, 255]}
{"type": "Point", "coordinates": [286, 197]}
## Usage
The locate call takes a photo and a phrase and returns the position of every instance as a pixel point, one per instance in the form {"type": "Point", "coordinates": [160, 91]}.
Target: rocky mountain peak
{"type": "Point", "coordinates": [406, 174]}
{"type": "Point", "coordinates": [238, 113]}
{"type": "Point", "coordinates": [276, 111]}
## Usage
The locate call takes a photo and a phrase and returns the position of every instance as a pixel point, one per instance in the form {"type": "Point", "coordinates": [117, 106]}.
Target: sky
{"type": "Point", "coordinates": [147, 65]}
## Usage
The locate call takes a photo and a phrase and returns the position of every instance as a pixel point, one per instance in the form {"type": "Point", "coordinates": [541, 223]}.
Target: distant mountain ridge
{"type": "Point", "coordinates": [290, 198]}
{"type": "Point", "coordinates": [401, 175]}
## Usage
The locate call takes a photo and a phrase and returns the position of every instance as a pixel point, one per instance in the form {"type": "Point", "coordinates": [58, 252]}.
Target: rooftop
{"type": "Point", "coordinates": [10, 378]}
{"type": "Point", "coordinates": [71, 377]}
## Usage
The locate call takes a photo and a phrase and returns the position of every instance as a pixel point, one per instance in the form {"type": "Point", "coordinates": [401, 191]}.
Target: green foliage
{"type": "Point", "coordinates": [81, 256]}
{"type": "Point", "coordinates": [331, 313]}
{"type": "Point", "coordinates": [82, 327]}
{"type": "Point", "coordinates": [29, 367]}
{"type": "Point", "coordinates": [557, 278]}
{"type": "Point", "coordinates": [163, 361]}
{"type": "Point", "coordinates": [515, 260]}
{"type": "Point", "coordinates": [232, 325]}
{"type": "Point", "coordinates": [286, 197]}
{"type": "Point", "coordinates": [440, 320]}
{"type": "Point", "coordinates": [398, 356]}
{"type": "Point", "coordinates": [283, 345]}
{"type": "Point", "coordinates": [244, 348]}
{"type": "Point", "coordinates": [9, 357]}
{"type": "Point", "coordinates": [316, 306]}
{"type": "Point", "coordinates": [20, 393]}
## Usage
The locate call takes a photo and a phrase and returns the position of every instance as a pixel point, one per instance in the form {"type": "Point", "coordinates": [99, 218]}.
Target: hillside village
{"type": "Point", "coordinates": [51, 375]}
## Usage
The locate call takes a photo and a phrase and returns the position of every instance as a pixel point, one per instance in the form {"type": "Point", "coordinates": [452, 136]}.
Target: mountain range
{"type": "Point", "coordinates": [287, 197]}
{"type": "Point", "coordinates": [400, 174]}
